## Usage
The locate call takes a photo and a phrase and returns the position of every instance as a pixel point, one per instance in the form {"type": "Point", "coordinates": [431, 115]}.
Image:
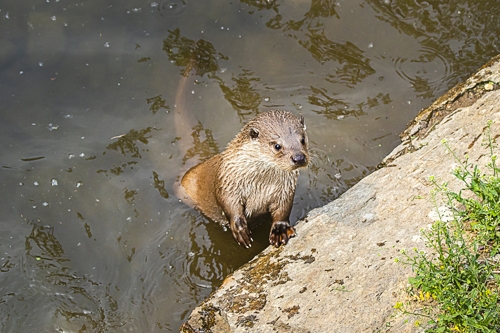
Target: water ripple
{"type": "Point", "coordinates": [428, 71]}
{"type": "Point", "coordinates": [171, 8]}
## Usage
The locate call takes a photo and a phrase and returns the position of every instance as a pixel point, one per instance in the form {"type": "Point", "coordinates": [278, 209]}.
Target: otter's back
{"type": "Point", "coordinates": [197, 188]}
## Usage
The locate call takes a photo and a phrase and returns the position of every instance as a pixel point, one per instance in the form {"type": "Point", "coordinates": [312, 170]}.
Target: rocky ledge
{"type": "Point", "coordinates": [340, 274]}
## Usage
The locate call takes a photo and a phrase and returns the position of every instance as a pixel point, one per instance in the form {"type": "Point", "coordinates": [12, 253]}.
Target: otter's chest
{"type": "Point", "coordinates": [255, 184]}
{"type": "Point", "coordinates": [260, 195]}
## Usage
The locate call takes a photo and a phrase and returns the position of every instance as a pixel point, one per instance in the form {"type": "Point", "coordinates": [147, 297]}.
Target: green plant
{"type": "Point", "coordinates": [483, 209]}
{"type": "Point", "coordinates": [461, 273]}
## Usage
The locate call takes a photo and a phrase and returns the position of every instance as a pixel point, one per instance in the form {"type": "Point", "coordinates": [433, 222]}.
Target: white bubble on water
{"type": "Point", "coordinates": [53, 182]}
{"type": "Point", "coordinates": [52, 127]}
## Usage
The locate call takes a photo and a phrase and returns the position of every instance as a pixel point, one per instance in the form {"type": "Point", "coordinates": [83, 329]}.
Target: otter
{"type": "Point", "coordinates": [255, 175]}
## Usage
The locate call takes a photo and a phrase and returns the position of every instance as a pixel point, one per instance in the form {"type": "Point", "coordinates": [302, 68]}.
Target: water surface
{"type": "Point", "coordinates": [92, 238]}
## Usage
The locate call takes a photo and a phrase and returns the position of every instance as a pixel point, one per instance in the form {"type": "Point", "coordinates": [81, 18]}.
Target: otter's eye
{"type": "Point", "coordinates": [277, 146]}
{"type": "Point", "coordinates": [303, 141]}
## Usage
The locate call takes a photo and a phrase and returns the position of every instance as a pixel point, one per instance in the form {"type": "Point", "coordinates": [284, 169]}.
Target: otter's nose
{"type": "Point", "coordinates": [299, 159]}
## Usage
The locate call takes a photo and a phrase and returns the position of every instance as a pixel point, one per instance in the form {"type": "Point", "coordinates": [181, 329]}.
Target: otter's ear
{"type": "Point", "coordinates": [254, 133]}
{"type": "Point", "coordinates": [301, 118]}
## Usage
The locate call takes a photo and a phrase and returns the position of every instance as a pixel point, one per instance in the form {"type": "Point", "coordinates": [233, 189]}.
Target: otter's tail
{"type": "Point", "coordinates": [183, 119]}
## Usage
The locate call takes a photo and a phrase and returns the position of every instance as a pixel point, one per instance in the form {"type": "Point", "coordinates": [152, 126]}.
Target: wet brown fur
{"type": "Point", "coordinates": [256, 174]}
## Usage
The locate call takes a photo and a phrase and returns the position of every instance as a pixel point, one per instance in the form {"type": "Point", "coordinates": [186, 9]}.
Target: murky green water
{"type": "Point", "coordinates": [92, 238]}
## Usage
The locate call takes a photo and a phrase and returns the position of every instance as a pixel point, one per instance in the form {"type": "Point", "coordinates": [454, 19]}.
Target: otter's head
{"type": "Point", "coordinates": [282, 138]}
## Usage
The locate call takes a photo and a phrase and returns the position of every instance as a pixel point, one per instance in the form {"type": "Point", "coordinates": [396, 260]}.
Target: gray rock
{"type": "Point", "coordinates": [339, 274]}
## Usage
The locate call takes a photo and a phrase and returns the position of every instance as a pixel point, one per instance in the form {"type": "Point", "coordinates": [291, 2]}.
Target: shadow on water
{"type": "Point", "coordinates": [92, 237]}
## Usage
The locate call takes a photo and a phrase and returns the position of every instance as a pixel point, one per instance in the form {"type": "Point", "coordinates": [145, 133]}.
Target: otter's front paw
{"type": "Point", "coordinates": [241, 233]}
{"type": "Point", "coordinates": [281, 232]}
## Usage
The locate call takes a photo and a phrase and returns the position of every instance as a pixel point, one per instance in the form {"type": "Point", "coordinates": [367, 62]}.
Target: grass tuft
{"type": "Point", "coordinates": [458, 282]}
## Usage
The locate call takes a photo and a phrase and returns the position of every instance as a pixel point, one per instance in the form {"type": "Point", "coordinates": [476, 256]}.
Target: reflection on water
{"type": "Point", "coordinates": [204, 144]}
{"type": "Point", "coordinates": [127, 144]}
{"type": "Point", "coordinates": [200, 55]}
{"type": "Point", "coordinates": [79, 301]}
{"type": "Point", "coordinates": [244, 97]}
{"type": "Point", "coordinates": [92, 238]}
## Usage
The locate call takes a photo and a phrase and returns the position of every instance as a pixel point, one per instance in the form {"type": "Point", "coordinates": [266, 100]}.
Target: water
{"type": "Point", "coordinates": [92, 237]}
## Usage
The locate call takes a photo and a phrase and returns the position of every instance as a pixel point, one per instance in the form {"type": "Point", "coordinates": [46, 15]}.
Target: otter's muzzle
{"type": "Point", "coordinates": [299, 160]}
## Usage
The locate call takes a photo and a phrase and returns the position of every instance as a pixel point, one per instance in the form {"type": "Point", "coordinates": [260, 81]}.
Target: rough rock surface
{"type": "Point", "coordinates": [339, 274]}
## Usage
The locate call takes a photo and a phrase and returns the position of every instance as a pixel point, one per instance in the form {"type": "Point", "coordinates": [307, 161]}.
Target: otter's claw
{"type": "Point", "coordinates": [241, 232]}
{"type": "Point", "coordinates": [281, 232]}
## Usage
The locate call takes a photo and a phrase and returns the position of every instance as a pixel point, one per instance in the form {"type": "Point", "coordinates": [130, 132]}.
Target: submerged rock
{"type": "Point", "coordinates": [339, 274]}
